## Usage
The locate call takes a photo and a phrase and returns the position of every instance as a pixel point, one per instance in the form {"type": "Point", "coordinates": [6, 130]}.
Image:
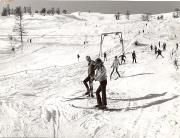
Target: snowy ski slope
{"type": "Point", "coordinates": [39, 84]}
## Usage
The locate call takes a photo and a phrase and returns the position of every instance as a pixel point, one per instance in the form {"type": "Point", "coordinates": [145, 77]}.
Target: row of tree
{"type": "Point", "coordinates": [18, 30]}
{"type": "Point", "coordinates": [146, 16]}
{"type": "Point", "coordinates": [44, 11]}
{"type": "Point", "coordinates": [117, 16]}
{"type": "Point", "coordinates": [51, 11]}
{"type": "Point", "coordinates": [176, 13]}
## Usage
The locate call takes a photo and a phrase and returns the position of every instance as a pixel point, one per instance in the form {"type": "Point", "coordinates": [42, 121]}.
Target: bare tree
{"type": "Point", "coordinates": [127, 14]}
{"type": "Point", "coordinates": [12, 11]}
{"type": "Point", "coordinates": [48, 12]}
{"type": "Point", "coordinates": [4, 12]}
{"type": "Point", "coordinates": [58, 11]}
{"type": "Point", "coordinates": [25, 10]}
{"type": "Point", "coordinates": [64, 11]}
{"type": "Point", "coordinates": [160, 17]}
{"type": "Point", "coordinates": [52, 11]}
{"type": "Point", "coordinates": [117, 16]}
{"type": "Point", "coordinates": [36, 11]}
{"type": "Point", "coordinates": [8, 9]}
{"type": "Point", "coordinates": [19, 28]}
{"type": "Point", "coordinates": [43, 11]}
{"type": "Point", "coordinates": [29, 10]}
{"type": "Point", "coordinates": [146, 17]}
{"type": "Point", "coordinates": [176, 14]}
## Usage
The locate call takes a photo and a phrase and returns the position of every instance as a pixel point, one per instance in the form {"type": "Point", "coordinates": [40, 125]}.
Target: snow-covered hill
{"type": "Point", "coordinates": [40, 83]}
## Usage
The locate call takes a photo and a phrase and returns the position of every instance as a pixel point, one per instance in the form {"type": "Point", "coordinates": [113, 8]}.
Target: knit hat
{"type": "Point", "coordinates": [98, 61]}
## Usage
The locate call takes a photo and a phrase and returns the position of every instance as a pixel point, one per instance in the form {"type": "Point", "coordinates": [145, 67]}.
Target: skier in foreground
{"type": "Point", "coordinates": [102, 78]}
{"type": "Point", "coordinates": [89, 78]}
{"type": "Point", "coordinates": [115, 65]}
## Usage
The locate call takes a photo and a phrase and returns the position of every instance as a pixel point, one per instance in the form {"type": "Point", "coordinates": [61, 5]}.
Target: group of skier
{"type": "Point", "coordinates": [122, 57]}
{"type": "Point", "coordinates": [158, 51]}
{"type": "Point", "coordinates": [97, 72]}
{"type": "Point", "coordinates": [174, 56]}
{"type": "Point", "coordinates": [116, 62]}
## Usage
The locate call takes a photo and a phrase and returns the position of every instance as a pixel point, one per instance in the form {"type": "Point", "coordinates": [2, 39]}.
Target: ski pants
{"type": "Point", "coordinates": [123, 60]}
{"type": "Point", "coordinates": [102, 88]}
{"type": "Point", "coordinates": [116, 71]}
{"type": "Point", "coordinates": [134, 60]}
{"type": "Point", "coordinates": [105, 58]}
{"type": "Point", "coordinates": [159, 55]}
{"type": "Point", "coordinates": [90, 86]}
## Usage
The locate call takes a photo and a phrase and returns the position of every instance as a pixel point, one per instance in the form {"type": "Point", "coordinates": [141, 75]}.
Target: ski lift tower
{"type": "Point", "coordinates": [106, 34]}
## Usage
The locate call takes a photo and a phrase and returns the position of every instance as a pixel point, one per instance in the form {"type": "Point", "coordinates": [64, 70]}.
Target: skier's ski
{"type": "Point", "coordinates": [95, 108]}
{"type": "Point", "coordinates": [79, 98]}
{"type": "Point", "coordinates": [83, 96]}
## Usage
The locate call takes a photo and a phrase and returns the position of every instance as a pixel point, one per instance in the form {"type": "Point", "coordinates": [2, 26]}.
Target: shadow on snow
{"type": "Point", "coordinates": [157, 102]}
{"type": "Point", "coordinates": [140, 74]}
{"type": "Point", "coordinates": [149, 96]}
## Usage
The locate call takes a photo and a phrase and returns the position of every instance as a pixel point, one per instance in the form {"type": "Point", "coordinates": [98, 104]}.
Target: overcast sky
{"type": "Point", "coordinates": [99, 6]}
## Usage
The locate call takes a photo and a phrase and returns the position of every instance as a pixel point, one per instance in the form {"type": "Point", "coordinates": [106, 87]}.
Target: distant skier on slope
{"type": "Point", "coordinates": [159, 53]}
{"type": "Point", "coordinates": [105, 56]}
{"type": "Point", "coordinates": [151, 47]}
{"type": "Point", "coordinates": [173, 53]}
{"type": "Point", "coordinates": [115, 66]}
{"type": "Point", "coordinates": [78, 56]}
{"type": "Point", "coordinates": [134, 57]}
{"type": "Point", "coordinates": [155, 49]}
{"type": "Point", "coordinates": [123, 58]}
{"type": "Point", "coordinates": [164, 46]}
{"type": "Point", "coordinates": [101, 76]}
{"type": "Point", "coordinates": [13, 50]}
{"type": "Point", "coordinates": [176, 63]}
{"type": "Point", "coordinates": [177, 46]}
{"type": "Point", "coordinates": [89, 78]}
{"type": "Point", "coordinates": [159, 44]}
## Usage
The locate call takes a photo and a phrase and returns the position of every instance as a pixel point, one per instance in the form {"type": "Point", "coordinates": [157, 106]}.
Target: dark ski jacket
{"type": "Point", "coordinates": [122, 57]}
{"type": "Point", "coordinates": [134, 55]}
{"type": "Point", "coordinates": [91, 68]}
{"type": "Point", "coordinates": [159, 52]}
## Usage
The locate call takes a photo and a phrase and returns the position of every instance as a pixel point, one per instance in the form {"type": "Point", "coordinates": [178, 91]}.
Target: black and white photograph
{"type": "Point", "coordinates": [89, 69]}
